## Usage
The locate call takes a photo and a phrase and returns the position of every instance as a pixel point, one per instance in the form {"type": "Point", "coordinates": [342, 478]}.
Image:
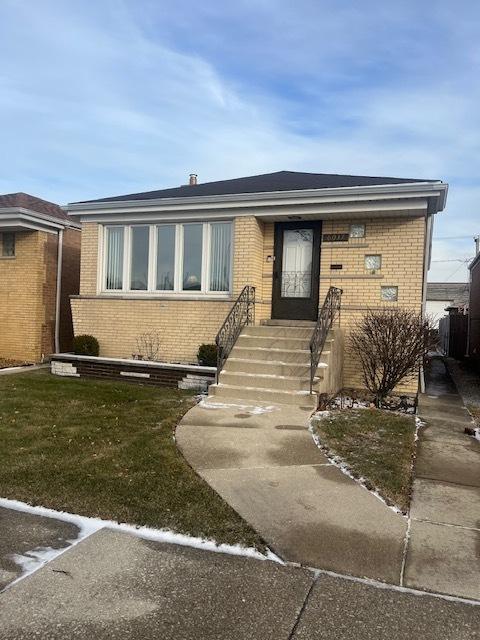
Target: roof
{"type": "Point", "coordinates": [264, 183]}
{"type": "Point", "coordinates": [448, 291]}
{"type": "Point", "coordinates": [26, 201]}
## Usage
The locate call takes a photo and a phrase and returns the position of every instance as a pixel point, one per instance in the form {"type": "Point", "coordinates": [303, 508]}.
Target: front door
{"type": "Point", "coordinates": [296, 270]}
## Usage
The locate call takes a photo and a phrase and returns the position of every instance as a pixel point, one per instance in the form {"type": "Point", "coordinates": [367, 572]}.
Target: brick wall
{"type": "Point", "coordinates": [28, 294]}
{"type": "Point", "coordinates": [21, 295]}
{"type": "Point", "coordinates": [184, 324]}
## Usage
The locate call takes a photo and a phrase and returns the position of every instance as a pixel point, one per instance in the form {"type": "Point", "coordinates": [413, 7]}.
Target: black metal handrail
{"type": "Point", "coordinates": [241, 314]}
{"type": "Point", "coordinates": [326, 317]}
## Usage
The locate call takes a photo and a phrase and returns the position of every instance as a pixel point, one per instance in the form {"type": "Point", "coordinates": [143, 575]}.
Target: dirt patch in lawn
{"type": "Point", "coordinates": [376, 445]}
{"type": "Point", "coordinates": [107, 449]}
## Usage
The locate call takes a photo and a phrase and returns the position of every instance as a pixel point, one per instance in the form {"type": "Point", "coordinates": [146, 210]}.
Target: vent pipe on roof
{"type": "Point", "coordinates": [477, 245]}
{"type": "Point", "coordinates": [193, 179]}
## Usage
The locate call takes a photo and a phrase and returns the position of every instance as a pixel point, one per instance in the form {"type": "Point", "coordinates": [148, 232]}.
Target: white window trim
{"type": "Point", "coordinates": [151, 290]}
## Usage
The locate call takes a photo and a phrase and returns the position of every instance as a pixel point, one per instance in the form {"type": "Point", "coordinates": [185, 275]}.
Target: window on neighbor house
{"type": "Point", "coordinates": [7, 245]}
{"type": "Point", "coordinates": [191, 257]}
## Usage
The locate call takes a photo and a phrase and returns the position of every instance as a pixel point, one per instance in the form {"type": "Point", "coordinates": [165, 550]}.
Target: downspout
{"type": "Point", "coordinates": [426, 266]}
{"type": "Point", "coordinates": [59, 290]}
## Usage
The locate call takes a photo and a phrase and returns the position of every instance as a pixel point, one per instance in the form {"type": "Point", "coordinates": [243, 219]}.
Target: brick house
{"type": "Point", "coordinates": [176, 260]}
{"type": "Point", "coordinates": [39, 250]}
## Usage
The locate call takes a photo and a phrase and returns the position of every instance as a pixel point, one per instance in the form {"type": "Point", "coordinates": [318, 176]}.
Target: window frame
{"type": "Point", "coordinates": [151, 290]}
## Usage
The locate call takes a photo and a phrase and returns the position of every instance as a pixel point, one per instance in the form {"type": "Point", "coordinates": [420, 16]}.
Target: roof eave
{"type": "Point", "coordinates": [436, 191]}
{"type": "Point", "coordinates": [28, 219]}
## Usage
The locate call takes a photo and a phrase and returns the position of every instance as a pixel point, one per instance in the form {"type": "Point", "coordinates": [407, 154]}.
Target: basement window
{"type": "Point", "coordinates": [7, 245]}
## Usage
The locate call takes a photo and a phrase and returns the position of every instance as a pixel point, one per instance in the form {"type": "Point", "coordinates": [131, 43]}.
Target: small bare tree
{"type": "Point", "coordinates": [390, 345]}
{"type": "Point", "coordinates": [148, 345]}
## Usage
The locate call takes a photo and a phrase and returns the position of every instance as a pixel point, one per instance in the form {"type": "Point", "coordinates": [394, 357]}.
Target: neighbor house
{"type": "Point", "coordinates": [175, 260]}
{"type": "Point", "coordinates": [446, 295]}
{"type": "Point", "coordinates": [39, 270]}
{"type": "Point", "coordinates": [473, 332]}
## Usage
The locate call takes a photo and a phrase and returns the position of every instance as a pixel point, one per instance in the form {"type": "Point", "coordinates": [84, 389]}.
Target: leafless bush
{"type": "Point", "coordinates": [390, 345]}
{"type": "Point", "coordinates": [148, 345]}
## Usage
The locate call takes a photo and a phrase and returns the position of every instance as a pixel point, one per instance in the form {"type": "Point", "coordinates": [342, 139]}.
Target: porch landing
{"type": "Point", "coordinates": [262, 460]}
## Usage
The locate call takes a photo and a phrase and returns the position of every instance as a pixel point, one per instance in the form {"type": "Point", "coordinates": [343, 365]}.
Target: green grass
{"type": "Point", "coordinates": [377, 445]}
{"type": "Point", "coordinates": [106, 449]}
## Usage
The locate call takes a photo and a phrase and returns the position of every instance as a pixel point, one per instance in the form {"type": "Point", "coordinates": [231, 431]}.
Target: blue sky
{"type": "Point", "coordinates": [114, 96]}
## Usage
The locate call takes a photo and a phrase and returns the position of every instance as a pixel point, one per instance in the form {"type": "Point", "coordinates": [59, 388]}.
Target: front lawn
{"type": "Point", "coordinates": [378, 445]}
{"type": "Point", "coordinates": [106, 449]}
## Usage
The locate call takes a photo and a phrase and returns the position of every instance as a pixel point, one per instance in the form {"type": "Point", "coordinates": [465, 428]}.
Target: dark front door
{"type": "Point", "coordinates": [296, 270]}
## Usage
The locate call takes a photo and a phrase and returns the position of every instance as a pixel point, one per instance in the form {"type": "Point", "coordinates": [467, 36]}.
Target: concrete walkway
{"type": "Point", "coordinates": [444, 546]}
{"type": "Point", "coordinates": [116, 585]}
{"type": "Point", "coordinates": [264, 463]}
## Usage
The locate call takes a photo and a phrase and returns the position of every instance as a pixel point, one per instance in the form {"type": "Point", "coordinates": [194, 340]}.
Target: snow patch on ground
{"type": "Point", "coordinates": [419, 423]}
{"type": "Point", "coordinates": [33, 560]}
{"type": "Point", "coordinates": [252, 409]}
{"type": "Point", "coordinates": [338, 462]}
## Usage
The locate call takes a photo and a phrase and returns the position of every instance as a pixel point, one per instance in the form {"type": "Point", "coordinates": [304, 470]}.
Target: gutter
{"type": "Point", "coordinates": [436, 190]}
{"type": "Point", "coordinates": [59, 290]}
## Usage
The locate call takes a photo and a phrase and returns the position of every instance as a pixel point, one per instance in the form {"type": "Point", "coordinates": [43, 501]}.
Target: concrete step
{"type": "Point", "coordinates": [277, 332]}
{"type": "Point", "coordinates": [269, 368]}
{"type": "Point", "coordinates": [278, 356]}
{"type": "Point", "coordinates": [284, 383]}
{"type": "Point", "coordinates": [303, 344]}
{"type": "Point", "coordinates": [192, 376]}
{"type": "Point", "coordinates": [275, 396]}
{"type": "Point", "coordinates": [288, 323]}
{"type": "Point", "coordinates": [273, 355]}
{"type": "Point", "coordinates": [193, 384]}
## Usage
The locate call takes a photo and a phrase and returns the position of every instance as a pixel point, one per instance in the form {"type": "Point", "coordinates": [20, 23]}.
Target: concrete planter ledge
{"type": "Point", "coordinates": [141, 371]}
{"type": "Point", "coordinates": [68, 357]}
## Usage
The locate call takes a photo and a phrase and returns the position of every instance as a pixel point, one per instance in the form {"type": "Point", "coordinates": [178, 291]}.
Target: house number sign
{"type": "Point", "coordinates": [335, 237]}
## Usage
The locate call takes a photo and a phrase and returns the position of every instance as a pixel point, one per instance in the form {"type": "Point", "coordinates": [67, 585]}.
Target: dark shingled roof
{"type": "Point", "coordinates": [457, 292]}
{"type": "Point", "coordinates": [26, 201]}
{"type": "Point", "coordinates": [267, 182]}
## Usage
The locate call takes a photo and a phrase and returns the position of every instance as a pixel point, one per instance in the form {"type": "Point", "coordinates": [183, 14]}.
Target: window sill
{"type": "Point", "coordinates": [7, 257]}
{"type": "Point", "coordinates": [158, 297]}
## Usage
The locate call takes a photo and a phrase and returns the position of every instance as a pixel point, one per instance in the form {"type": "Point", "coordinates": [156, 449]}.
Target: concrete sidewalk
{"type": "Point", "coordinates": [116, 585]}
{"type": "Point", "coordinates": [23, 535]}
{"type": "Point", "coordinates": [267, 467]}
{"type": "Point", "coordinates": [444, 545]}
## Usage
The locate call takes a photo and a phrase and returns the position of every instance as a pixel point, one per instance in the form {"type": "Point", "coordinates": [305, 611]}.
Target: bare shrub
{"type": "Point", "coordinates": [390, 345]}
{"type": "Point", "coordinates": [148, 345]}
